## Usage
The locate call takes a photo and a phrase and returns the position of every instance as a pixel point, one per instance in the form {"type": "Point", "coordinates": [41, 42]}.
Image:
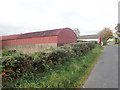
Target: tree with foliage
{"type": "Point", "coordinates": [105, 34]}
{"type": "Point", "coordinates": [117, 41]}
{"type": "Point", "coordinates": [77, 32]}
{"type": "Point", "coordinates": [117, 28]}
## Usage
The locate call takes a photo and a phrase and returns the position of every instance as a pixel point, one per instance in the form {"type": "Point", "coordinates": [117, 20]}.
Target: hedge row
{"type": "Point", "coordinates": [15, 64]}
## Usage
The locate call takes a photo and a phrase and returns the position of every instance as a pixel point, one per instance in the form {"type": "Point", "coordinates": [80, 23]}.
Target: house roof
{"type": "Point", "coordinates": [95, 36]}
{"type": "Point", "coordinates": [54, 32]}
{"type": "Point", "coordinates": [9, 37]}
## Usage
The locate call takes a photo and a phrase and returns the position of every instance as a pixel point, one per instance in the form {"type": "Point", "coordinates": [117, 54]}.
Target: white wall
{"type": "Point", "coordinates": [87, 39]}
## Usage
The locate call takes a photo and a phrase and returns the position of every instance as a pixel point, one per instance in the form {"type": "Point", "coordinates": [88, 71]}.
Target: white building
{"type": "Point", "coordinates": [88, 38]}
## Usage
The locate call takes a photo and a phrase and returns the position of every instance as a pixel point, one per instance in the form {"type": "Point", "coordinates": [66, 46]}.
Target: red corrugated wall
{"type": "Point", "coordinates": [67, 36]}
{"type": "Point", "coordinates": [0, 45]}
{"type": "Point", "coordinates": [35, 40]}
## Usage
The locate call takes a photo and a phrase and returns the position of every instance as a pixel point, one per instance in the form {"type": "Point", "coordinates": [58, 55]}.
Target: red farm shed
{"type": "Point", "coordinates": [36, 41]}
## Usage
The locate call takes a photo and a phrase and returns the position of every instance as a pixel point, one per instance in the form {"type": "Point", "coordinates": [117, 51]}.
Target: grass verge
{"type": "Point", "coordinates": [70, 74]}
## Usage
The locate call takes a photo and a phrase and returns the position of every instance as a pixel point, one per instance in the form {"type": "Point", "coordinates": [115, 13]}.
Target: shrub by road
{"type": "Point", "coordinates": [64, 66]}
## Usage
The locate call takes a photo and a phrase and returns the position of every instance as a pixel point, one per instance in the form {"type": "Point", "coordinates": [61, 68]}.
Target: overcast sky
{"type": "Point", "coordinates": [89, 16]}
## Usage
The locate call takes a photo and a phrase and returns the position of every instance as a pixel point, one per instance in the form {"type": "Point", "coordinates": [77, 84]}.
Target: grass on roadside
{"type": "Point", "coordinates": [70, 74]}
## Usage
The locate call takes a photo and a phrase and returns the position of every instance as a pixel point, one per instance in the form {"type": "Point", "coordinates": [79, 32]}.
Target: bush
{"type": "Point", "coordinates": [105, 42]}
{"type": "Point", "coordinates": [8, 52]}
{"type": "Point", "coordinates": [16, 64]}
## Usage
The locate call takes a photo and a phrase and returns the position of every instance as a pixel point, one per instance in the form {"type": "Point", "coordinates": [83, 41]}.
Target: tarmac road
{"type": "Point", "coordinates": [105, 72]}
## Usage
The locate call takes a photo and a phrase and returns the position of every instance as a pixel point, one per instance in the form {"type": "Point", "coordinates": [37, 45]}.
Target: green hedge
{"type": "Point", "coordinates": [15, 64]}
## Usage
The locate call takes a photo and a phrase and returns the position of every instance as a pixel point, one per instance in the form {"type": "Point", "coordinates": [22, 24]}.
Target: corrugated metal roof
{"type": "Point", "coordinates": [88, 37]}
{"type": "Point", "coordinates": [9, 37]}
{"type": "Point", "coordinates": [54, 32]}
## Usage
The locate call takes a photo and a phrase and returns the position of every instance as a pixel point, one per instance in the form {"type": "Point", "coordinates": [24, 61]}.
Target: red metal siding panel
{"type": "Point", "coordinates": [37, 40]}
{"type": "Point", "coordinates": [67, 36]}
{"type": "Point", "coordinates": [0, 45]}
